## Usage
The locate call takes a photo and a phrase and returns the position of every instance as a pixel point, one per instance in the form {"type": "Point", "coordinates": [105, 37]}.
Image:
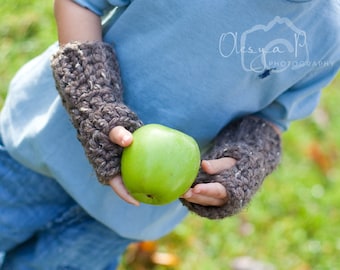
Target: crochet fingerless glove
{"type": "Point", "coordinates": [88, 80]}
{"type": "Point", "coordinates": [257, 149]}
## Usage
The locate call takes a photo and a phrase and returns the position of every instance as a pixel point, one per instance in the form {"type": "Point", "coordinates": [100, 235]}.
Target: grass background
{"type": "Point", "coordinates": [293, 222]}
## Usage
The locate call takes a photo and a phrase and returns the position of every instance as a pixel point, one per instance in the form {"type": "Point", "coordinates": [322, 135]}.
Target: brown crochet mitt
{"type": "Point", "coordinates": [257, 148]}
{"type": "Point", "coordinates": [88, 80]}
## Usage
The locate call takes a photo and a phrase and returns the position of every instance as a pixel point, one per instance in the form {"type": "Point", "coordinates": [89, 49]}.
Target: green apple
{"type": "Point", "coordinates": [160, 165]}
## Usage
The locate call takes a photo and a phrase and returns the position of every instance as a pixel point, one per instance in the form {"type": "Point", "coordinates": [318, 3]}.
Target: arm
{"type": "Point", "coordinates": [76, 23]}
{"type": "Point", "coordinates": [87, 77]}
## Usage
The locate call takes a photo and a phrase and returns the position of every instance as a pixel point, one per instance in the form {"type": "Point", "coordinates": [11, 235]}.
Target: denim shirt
{"type": "Point", "coordinates": [193, 66]}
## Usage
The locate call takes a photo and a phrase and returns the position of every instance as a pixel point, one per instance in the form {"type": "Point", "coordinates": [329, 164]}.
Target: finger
{"type": "Point", "coordinates": [121, 136]}
{"type": "Point", "coordinates": [204, 200]}
{"type": "Point", "coordinates": [213, 194]}
{"type": "Point", "coordinates": [187, 194]}
{"type": "Point", "coordinates": [214, 190]}
{"type": "Point", "coordinates": [118, 186]}
{"type": "Point", "coordinates": [209, 190]}
{"type": "Point", "coordinates": [215, 166]}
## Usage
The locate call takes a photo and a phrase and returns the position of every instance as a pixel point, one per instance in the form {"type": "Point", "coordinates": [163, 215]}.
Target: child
{"type": "Point", "coordinates": [231, 74]}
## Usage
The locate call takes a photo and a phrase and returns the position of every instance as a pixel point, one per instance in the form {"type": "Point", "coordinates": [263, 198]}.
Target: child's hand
{"type": "Point", "coordinates": [254, 149]}
{"type": "Point", "coordinates": [210, 194]}
{"type": "Point", "coordinates": [119, 135]}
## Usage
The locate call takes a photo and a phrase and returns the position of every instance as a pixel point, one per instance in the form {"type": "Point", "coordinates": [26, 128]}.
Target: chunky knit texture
{"type": "Point", "coordinates": [88, 80]}
{"type": "Point", "coordinates": [257, 149]}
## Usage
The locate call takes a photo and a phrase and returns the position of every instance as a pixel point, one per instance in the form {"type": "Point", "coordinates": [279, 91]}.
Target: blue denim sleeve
{"type": "Point", "coordinates": [100, 7]}
{"type": "Point", "coordinates": [300, 100]}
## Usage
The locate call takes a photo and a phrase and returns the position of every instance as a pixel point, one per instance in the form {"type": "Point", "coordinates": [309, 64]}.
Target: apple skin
{"type": "Point", "coordinates": [160, 165]}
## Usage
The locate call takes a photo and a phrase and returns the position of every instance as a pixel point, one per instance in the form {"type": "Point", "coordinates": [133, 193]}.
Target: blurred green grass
{"type": "Point", "coordinates": [293, 222]}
